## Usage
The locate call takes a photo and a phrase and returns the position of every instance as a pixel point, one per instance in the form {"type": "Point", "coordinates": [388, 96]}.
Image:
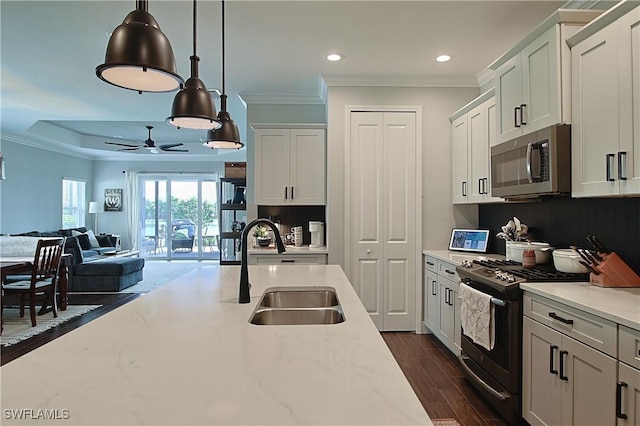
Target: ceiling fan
{"type": "Point", "coordinates": [150, 145]}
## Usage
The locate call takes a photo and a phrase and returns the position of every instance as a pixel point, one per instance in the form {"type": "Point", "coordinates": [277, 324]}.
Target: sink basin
{"type": "Point", "coordinates": [298, 306]}
{"type": "Point", "coordinates": [296, 316]}
{"type": "Point", "coordinates": [299, 297]}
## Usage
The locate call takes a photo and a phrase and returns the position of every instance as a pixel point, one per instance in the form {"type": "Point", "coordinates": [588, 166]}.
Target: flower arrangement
{"type": "Point", "coordinates": [514, 230]}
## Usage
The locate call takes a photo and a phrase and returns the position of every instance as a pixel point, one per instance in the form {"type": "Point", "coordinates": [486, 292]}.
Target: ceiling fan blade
{"type": "Point", "coordinates": [130, 149]}
{"type": "Point", "coordinates": [122, 144]}
{"type": "Point", "coordinates": [170, 145]}
{"type": "Point", "coordinates": [174, 150]}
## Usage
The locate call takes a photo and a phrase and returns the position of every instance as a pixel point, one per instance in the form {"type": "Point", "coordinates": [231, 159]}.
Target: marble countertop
{"type": "Point", "coordinates": [186, 354]}
{"type": "Point", "coordinates": [457, 256]}
{"type": "Point", "coordinates": [271, 250]}
{"type": "Point", "coordinates": [621, 305]}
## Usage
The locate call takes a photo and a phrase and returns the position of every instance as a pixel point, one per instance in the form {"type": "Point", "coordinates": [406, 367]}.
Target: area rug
{"type": "Point", "coordinates": [16, 329]}
{"type": "Point", "coordinates": [445, 422]}
{"type": "Point", "coordinates": [157, 273]}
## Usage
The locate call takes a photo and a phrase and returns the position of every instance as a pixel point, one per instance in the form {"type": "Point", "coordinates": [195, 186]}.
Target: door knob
{"type": "Point", "coordinates": [368, 251]}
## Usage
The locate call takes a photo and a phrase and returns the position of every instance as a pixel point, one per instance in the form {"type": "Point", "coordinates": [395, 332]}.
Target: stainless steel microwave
{"type": "Point", "coordinates": [533, 165]}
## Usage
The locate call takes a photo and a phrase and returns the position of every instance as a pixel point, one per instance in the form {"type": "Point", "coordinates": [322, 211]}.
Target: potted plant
{"type": "Point", "coordinates": [261, 233]}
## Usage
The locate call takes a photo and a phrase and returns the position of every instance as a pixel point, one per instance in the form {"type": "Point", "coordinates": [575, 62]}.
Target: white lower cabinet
{"type": "Point", "coordinates": [283, 259]}
{"type": "Point", "coordinates": [441, 303]}
{"type": "Point", "coordinates": [566, 381]}
{"type": "Point", "coordinates": [628, 386]}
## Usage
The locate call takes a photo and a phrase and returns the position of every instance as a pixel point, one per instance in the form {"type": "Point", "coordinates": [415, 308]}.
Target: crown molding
{"type": "Point", "coordinates": [45, 145]}
{"type": "Point", "coordinates": [399, 81]}
{"type": "Point", "coordinates": [280, 99]}
{"type": "Point", "coordinates": [485, 76]}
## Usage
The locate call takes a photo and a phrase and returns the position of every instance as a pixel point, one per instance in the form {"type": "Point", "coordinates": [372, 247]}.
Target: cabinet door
{"type": "Point", "coordinates": [492, 141]}
{"type": "Point", "coordinates": [431, 300]}
{"type": "Point", "coordinates": [508, 81]}
{"type": "Point", "coordinates": [629, 54]}
{"type": "Point", "coordinates": [541, 82]}
{"type": "Point", "coordinates": [307, 170]}
{"type": "Point", "coordinates": [589, 393]}
{"type": "Point", "coordinates": [541, 387]}
{"type": "Point", "coordinates": [478, 150]}
{"type": "Point", "coordinates": [456, 344]}
{"type": "Point", "coordinates": [595, 130]}
{"type": "Point", "coordinates": [630, 395]}
{"type": "Point", "coordinates": [445, 315]}
{"type": "Point", "coordinates": [271, 166]}
{"type": "Point", "coordinates": [459, 158]}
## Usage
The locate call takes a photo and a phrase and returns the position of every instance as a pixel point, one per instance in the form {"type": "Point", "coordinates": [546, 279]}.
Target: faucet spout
{"type": "Point", "coordinates": [244, 296]}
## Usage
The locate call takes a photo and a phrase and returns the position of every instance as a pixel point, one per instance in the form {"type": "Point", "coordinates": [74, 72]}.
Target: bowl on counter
{"type": "Point", "coordinates": [568, 260]}
{"type": "Point", "coordinates": [542, 251]}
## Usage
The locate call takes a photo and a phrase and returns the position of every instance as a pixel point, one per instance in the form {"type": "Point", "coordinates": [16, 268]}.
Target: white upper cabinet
{"type": "Point", "coordinates": [473, 134]}
{"type": "Point", "coordinates": [606, 109]}
{"type": "Point", "coordinates": [532, 80]}
{"type": "Point", "coordinates": [290, 166]}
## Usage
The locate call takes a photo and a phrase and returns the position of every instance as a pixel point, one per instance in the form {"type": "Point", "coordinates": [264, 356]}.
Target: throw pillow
{"type": "Point", "coordinates": [93, 239]}
{"type": "Point", "coordinates": [83, 240]}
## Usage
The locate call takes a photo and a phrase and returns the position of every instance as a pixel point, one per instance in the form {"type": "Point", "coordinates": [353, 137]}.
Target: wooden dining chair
{"type": "Point", "coordinates": [44, 278]}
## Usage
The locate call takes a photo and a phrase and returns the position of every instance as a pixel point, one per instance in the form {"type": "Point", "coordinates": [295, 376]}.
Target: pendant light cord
{"type": "Point", "coordinates": [142, 5]}
{"type": "Point", "coordinates": [223, 90]}
{"type": "Point", "coordinates": [194, 26]}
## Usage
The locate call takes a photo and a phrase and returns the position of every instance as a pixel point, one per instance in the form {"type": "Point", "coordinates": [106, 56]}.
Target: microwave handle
{"type": "Point", "coordinates": [530, 176]}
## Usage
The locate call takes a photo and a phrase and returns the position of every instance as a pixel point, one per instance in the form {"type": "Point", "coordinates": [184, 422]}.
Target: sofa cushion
{"type": "Point", "coordinates": [117, 266]}
{"type": "Point", "coordinates": [67, 232]}
{"type": "Point", "coordinates": [83, 240]}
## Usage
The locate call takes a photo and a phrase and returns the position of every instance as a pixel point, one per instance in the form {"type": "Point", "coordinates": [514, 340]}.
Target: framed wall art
{"type": "Point", "coordinates": [113, 200]}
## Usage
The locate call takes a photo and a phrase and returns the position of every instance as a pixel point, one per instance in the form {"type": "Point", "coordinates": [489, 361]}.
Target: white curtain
{"type": "Point", "coordinates": [134, 220]}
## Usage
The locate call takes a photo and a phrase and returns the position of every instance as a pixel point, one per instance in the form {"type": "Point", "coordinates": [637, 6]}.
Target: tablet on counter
{"type": "Point", "coordinates": [473, 240]}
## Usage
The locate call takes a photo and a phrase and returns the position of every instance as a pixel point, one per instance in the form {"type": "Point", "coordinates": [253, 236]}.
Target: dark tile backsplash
{"type": "Point", "coordinates": [564, 222]}
{"type": "Point", "coordinates": [290, 216]}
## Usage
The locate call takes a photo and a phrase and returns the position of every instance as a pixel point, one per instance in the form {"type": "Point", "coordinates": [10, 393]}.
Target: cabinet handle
{"type": "Point", "coordinates": [562, 376]}
{"type": "Point", "coordinates": [450, 297]}
{"type": "Point", "coordinates": [433, 287]}
{"type": "Point", "coordinates": [619, 387]}
{"type": "Point", "coordinates": [464, 188]}
{"type": "Point", "coordinates": [559, 318]}
{"type": "Point", "coordinates": [480, 186]}
{"type": "Point", "coordinates": [430, 263]}
{"type": "Point", "coordinates": [552, 349]}
{"type": "Point", "coordinates": [285, 192]}
{"type": "Point", "coordinates": [450, 272]}
{"type": "Point", "coordinates": [292, 192]}
{"type": "Point", "coordinates": [287, 261]}
{"type": "Point", "coordinates": [622, 164]}
{"type": "Point", "coordinates": [609, 160]}
{"type": "Point", "coordinates": [446, 296]}
{"type": "Point", "coordinates": [522, 107]}
{"type": "Point", "coordinates": [515, 116]}
{"type": "Point", "coordinates": [486, 186]}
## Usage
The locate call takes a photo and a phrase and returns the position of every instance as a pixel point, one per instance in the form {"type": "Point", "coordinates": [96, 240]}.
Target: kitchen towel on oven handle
{"type": "Point", "coordinates": [477, 316]}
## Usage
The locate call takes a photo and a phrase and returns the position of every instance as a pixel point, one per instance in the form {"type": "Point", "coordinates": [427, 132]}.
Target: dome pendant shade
{"type": "Point", "coordinates": [226, 137]}
{"type": "Point", "coordinates": [139, 56]}
{"type": "Point", "coordinates": [193, 107]}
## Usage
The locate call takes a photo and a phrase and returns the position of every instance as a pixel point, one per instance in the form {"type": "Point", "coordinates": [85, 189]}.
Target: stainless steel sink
{"type": "Point", "coordinates": [295, 316]}
{"type": "Point", "coordinates": [299, 297]}
{"type": "Point", "coordinates": [298, 306]}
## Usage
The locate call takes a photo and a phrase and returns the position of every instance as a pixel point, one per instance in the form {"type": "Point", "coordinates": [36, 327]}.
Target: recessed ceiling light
{"type": "Point", "coordinates": [334, 57]}
{"type": "Point", "coordinates": [443, 58]}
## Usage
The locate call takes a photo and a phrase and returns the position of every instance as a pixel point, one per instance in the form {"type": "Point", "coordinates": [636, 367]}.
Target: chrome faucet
{"type": "Point", "coordinates": [244, 270]}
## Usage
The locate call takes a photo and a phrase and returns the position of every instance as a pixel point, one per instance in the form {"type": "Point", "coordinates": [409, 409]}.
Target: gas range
{"type": "Point", "coordinates": [506, 275]}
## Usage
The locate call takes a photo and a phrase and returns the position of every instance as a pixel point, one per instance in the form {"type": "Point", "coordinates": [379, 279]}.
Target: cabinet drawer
{"type": "Point", "coordinates": [629, 346]}
{"type": "Point", "coordinates": [589, 329]}
{"type": "Point", "coordinates": [431, 264]}
{"type": "Point", "coordinates": [296, 259]}
{"type": "Point", "coordinates": [448, 270]}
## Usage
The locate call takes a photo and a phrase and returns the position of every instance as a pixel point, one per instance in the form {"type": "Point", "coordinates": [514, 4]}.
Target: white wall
{"type": "Point", "coordinates": [437, 104]}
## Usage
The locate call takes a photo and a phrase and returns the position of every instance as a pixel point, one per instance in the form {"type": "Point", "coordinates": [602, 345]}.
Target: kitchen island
{"type": "Point", "coordinates": [187, 354]}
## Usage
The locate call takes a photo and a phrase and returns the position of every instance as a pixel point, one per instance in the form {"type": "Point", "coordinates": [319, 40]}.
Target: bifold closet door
{"type": "Point", "coordinates": [382, 217]}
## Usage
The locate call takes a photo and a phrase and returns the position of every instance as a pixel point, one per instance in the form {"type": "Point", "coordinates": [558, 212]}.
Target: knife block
{"type": "Point", "coordinates": [614, 272]}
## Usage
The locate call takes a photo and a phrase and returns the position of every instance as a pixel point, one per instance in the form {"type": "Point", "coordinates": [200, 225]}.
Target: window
{"type": "Point", "coordinates": [73, 203]}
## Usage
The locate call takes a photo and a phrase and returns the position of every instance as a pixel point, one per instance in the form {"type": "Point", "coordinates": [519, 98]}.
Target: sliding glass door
{"type": "Point", "coordinates": [180, 216]}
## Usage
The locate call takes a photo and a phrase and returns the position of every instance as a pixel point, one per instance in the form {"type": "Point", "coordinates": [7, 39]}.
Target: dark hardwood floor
{"type": "Point", "coordinates": [430, 368]}
{"type": "Point", "coordinates": [436, 378]}
{"type": "Point", "coordinates": [109, 302]}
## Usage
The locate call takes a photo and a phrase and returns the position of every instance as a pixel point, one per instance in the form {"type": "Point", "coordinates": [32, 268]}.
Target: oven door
{"type": "Point", "coordinates": [503, 362]}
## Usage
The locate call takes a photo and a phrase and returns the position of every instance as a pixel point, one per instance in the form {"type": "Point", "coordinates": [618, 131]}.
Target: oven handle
{"type": "Point", "coordinates": [499, 302]}
{"type": "Point", "coordinates": [502, 396]}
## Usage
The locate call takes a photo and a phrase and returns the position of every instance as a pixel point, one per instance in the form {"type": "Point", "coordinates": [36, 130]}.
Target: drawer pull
{"type": "Point", "coordinates": [430, 263]}
{"type": "Point", "coordinates": [552, 349]}
{"type": "Point", "coordinates": [619, 387]}
{"type": "Point", "coordinates": [287, 261]}
{"type": "Point", "coordinates": [559, 318]}
{"type": "Point", "coordinates": [562, 376]}
{"type": "Point", "coordinates": [449, 272]}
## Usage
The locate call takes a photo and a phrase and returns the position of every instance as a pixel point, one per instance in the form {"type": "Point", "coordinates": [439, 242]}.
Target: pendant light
{"type": "Point", "coordinates": [228, 136]}
{"type": "Point", "coordinates": [139, 55]}
{"type": "Point", "coordinates": [193, 107]}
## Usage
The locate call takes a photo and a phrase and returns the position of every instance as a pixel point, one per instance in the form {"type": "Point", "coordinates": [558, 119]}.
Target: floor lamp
{"type": "Point", "coordinates": [93, 209]}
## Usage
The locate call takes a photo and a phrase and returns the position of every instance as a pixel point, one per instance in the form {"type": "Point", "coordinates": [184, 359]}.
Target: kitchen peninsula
{"type": "Point", "coordinates": [187, 354]}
